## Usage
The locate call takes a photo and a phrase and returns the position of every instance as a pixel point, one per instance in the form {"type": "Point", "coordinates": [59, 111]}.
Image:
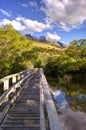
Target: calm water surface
{"type": "Point", "coordinates": [71, 88]}
{"type": "Point", "coordinates": [70, 95]}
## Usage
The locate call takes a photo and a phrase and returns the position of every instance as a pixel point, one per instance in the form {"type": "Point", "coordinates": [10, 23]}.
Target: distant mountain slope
{"type": "Point", "coordinates": [45, 50]}
{"type": "Point", "coordinates": [46, 39]}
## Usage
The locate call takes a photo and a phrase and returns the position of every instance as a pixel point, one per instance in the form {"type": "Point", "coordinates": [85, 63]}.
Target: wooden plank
{"type": "Point", "coordinates": [24, 128]}
{"type": "Point", "coordinates": [21, 121]}
{"type": "Point", "coordinates": [23, 116]}
{"type": "Point", "coordinates": [54, 121]}
{"type": "Point", "coordinates": [20, 125]}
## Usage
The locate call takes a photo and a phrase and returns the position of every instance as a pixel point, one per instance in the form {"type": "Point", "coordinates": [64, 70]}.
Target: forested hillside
{"type": "Point", "coordinates": [18, 53]}
{"type": "Point", "coordinates": [72, 60]}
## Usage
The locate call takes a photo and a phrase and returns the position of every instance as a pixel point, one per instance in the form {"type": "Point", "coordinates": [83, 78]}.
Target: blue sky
{"type": "Point", "coordinates": [62, 20]}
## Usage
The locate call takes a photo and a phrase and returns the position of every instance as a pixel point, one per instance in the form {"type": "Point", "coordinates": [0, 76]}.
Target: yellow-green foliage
{"type": "Point", "coordinates": [18, 53]}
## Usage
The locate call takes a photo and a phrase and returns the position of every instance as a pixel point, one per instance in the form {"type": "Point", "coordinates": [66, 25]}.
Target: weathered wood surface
{"type": "Point", "coordinates": [5, 95]}
{"type": "Point", "coordinates": [4, 112]}
{"type": "Point", "coordinates": [13, 75]}
{"type": "Point", "coordinates": [25, 113]}
{"type": "Point", "coordinates": [42, 117]}
{"type": "Point", "coordinates": [54, 121]}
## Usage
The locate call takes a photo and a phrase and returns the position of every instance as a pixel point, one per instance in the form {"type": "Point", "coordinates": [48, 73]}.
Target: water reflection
{"type": "Point", "coordinates": [60, 98]}
{"type": "Point", "coordinates": [70, 120]}
{"type": "Point", "coordinates": [70, 94]}
{"type": "Point", "coordinates": [72, 88]}
{"type": "Point", "coordinates": [75, 91]}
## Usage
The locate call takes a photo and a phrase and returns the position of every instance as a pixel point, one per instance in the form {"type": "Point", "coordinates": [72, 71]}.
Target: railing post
{"type": "Point", "coordinates": [1, 88]}
{"type": "Point", "coordinates": [14, 79]}
{"type": "Point", "coordinates": [19, 77]}
{"type": "Point", "coordinates": [6, 84]}
{"type": "Point", "coordinates": [22, 75]}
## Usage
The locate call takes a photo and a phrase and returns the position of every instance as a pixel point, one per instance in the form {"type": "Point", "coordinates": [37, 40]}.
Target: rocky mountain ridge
{"type": "Point", "coordinates": [46, 39]}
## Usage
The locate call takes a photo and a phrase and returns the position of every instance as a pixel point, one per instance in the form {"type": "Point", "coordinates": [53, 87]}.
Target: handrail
{"type": "Point", "coordinates": [5, 96]}
{"type": "Point", "coordinates": [12, 75]}
{"type": "Point", "coordinates": [8, 81]}
{"type": "Point", "coordinates": [42, 117]}
{"type": "Point", "coordinates": [54, 121]}
{"type": "Point", "coordinates": [7, 89]}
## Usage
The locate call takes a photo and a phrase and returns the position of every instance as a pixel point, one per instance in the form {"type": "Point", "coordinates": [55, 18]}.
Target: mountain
{"type": "Point", "coordinates": [82, 42]}
{"type": "Point", "coordinates": [31, 37]}
{"type": "Point", "coordinates": [46, 39]}
{"type": "Point", "coordinates": [49, 40]}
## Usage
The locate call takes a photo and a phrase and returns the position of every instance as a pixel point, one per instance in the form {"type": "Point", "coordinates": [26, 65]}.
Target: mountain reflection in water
{"type": "Point", "coordinates": [70, 120]}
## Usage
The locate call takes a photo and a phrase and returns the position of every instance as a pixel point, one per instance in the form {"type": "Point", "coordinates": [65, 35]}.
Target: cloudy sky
{"type": "Point", "coordinates": [62, 20]}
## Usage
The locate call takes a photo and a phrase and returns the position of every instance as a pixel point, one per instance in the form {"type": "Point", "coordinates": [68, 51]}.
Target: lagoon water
{"type": "Point", "coordinates": [60, 98]}
{"type": "Point", "coordinates": [72, 119]}
{"type": "Point", "coordinates": [71, 89]}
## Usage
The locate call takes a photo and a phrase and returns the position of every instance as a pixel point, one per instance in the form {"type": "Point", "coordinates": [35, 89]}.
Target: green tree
{"type": "Point", "coordinates": [74, 50]}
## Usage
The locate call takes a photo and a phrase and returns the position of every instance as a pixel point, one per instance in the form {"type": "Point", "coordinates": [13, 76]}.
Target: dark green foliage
{"type": "Point", "coordinates": [73, 60]}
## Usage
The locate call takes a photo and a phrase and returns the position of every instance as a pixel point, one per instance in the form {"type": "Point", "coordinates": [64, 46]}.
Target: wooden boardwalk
{"type": "Point", "coordinates": [32, 107]}
{"type": "Point", "coordinates": [28, 104]}
{"type": "Point", "coordinates": [25, 113]}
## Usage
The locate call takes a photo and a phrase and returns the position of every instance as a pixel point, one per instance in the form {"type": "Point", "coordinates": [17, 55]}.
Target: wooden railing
{"type": "Point", "coordinates": [8, 81]}
{"type": "Point", "coordinates": [11, 83]}
{"type": "Point", "coordinates": [46, 98]}
{"type": "Point", "coordinates": [12, 86]}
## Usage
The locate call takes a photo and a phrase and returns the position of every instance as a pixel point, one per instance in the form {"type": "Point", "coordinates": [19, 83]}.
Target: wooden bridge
{"type": "Point", "coordinates": [26, 102]}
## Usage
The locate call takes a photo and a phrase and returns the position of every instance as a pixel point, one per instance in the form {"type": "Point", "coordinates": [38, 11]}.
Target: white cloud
{"type": "Point", "coordinates": [24, 4]}
{"type": "Point", "coordinates": [53, 36]}
{"type": "Point", "coordinates": [29, 4]}
{"type": "Point", "coordinates": [32, 4]}
{"type": "Point", "coordinates": [17, 25]}
{"type": "Point", "coordinates": [6, 13]}
{"type": "Point", "coordinates": [67, 14]}
{"type": "Point", "coordinates": [33, 26]}
{"type": "Point", "coordinates": [26, 25]}
{"type": "Point", "coordinates": [63, 42]}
